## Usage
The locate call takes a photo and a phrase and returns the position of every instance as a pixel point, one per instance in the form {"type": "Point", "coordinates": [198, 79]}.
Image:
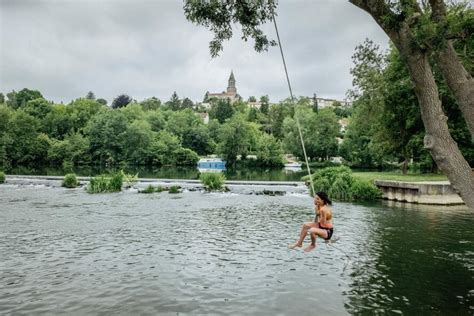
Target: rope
{"type": "Point", "coordinates": [294, 106]}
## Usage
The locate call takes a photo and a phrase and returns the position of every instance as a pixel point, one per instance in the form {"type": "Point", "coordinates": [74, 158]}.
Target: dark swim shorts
{"type": "Point", "coordinates": [329, 231]}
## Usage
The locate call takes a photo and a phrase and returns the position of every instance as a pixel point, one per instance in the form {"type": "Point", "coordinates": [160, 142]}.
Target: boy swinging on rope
{"type": "Point", "coordinates": [322, 225]}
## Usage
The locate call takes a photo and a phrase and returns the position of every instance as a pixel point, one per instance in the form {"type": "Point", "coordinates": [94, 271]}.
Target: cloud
{"type": "Point", "coordinates": [147, 48]}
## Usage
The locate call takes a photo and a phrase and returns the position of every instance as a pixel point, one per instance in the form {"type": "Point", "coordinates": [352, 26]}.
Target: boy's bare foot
{"type": "Point", "coordinates": [293, 246]}
{"type": "Point", "coordinates": [309, 248]}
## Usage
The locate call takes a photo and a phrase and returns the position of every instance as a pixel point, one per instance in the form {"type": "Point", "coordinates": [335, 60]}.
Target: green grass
{"type": "Point", "coordinates": [396, 176]}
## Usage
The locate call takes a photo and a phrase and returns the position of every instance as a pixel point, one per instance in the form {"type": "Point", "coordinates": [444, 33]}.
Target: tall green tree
{"type": "Point", "coordinates": [174, 103]}
{"type": "Point", "coordinates": [121, 101]}
{"type": "Point", "coordinates": [319, 132]}
{"type": "Point", "coordinates": [221, 110]}
{"type": "Point", "coordinates": [236, 138]}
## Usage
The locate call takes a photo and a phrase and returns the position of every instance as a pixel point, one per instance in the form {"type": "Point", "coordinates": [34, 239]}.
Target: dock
{"type": "Point", "coordinates": [433, 192]}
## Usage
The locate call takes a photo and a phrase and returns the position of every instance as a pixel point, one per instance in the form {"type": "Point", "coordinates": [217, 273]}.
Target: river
{"type": "Point", "coordinates": [65, 251]}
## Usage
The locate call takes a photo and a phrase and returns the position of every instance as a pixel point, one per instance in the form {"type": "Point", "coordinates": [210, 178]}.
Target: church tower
{"type": "Point", "coordinates": [231, 89]}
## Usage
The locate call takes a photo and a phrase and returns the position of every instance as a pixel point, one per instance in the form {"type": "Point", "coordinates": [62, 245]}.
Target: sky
{"type": "Point", "coordinates": [145, 48]}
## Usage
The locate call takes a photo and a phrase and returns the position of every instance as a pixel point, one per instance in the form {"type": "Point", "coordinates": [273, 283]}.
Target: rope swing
{"type": "Point", "coordinates": [294, 106]}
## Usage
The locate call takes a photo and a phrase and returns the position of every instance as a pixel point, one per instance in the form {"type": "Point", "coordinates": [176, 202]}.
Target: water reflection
{"type": "Point", "coordinates": [240, 173]}
{"type": "Point", "coordinates": [414, 260]}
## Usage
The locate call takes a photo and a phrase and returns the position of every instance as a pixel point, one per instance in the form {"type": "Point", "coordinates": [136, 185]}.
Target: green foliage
{"type": "Point", "coordinates": [106, 135]}
{"type": "Point", "coordinates": [174, 189]}
{"type": "Point", "coordinates": [174, 104]}
{"type": "Point", "coordinates": [221, 110]}
{"type": "Point", "coordinates": [106, 183]}
{"type": "Point", "coordinates": [341, 185]}
{"type": "Point", "coordinates": [70, 181]}
{"type": "Point", "coordinates": [2, 177]}
{"type": "Point", "coordinates": [236, 138]}
{"type": "Point", "coordinates": [148, 189]}
{"type": "Point", "coordinates": [129, 179]}
{"type": "Point", "coordinates": [74, 148]}
{"type": "Point", "coordinates": [269, 152]}
{"type": "Point", "coordinates": [25, 95]}
{"type": "Point", "coordinates": [121, 101]}
{"type": "Point", "coordinates": [364, 190]}
{"type": "Point", "coordinates": [212, 180]}
{"type": "Point", "coordinates": [319, 132]}
{"type": "Point", "coordinates": [185, 157]}
{"type": "Point", "coordinates": [151, 104]}
{"type": "Point", "coordinates": [220, 16]}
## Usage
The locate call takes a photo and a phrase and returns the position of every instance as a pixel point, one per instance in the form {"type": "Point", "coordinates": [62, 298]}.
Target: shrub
{"type": "Point", "coordinates": [212, 181]}
{"type": "Point", "coordinates": [2, 177]}
{"type": "Point", "coordinates": [149, 189]}
{"type": "Point", "coordinates": [174, 189]}
{"type": "Point", "coordinates": [340, 189]}
{"type": "Point", "coordinates": [106, 183]}
{"type": "Point", "coordinates": [70, 181]}
{"type": "Point", "coordinates": [339, 184]}
{"type": "Point", "coordinates": [365, 190]}
{"type": "Point", "coordinates": [159, 189]}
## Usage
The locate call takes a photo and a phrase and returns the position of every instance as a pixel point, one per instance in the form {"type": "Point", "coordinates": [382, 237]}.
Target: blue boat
{"type": "Point", "coordinates": [211, 165]}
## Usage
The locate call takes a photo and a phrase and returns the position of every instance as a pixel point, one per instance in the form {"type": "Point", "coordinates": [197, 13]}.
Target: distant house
{"type": "Point", "coordinates": [325, 102]}
{"type": "Point", "coordinates": [343, 124]}
{"type": "Point", "coordinates": [204, 117]}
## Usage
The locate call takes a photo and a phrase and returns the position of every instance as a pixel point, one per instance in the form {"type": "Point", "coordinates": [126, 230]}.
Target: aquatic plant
{"type": "Point", "coordinates": [159, 189]}
{"type": "Point", "coordinates": [129, 179]}
{"type": "Point", "coordinates": [212, 181]}
{"type": "Point", "coordinates": [148, 189]}
{"type": "Point", "coordinates": [2, 177]}
{"type": "Point", "coordinates": [106, 183]}
{"type": "Point", "coordinates": [70, 181]}
{"type": "Point", "coordinates": [174, 189]}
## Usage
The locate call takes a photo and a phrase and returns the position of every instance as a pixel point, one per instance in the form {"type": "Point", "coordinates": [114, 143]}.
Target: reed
{"type": "Point", "coordinates": [106, 183]}
{"type": "Point", "coordinates": [212, 181]}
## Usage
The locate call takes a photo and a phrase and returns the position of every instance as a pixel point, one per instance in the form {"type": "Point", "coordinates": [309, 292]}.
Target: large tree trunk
{"type": "Point", "coordinates": [459, 80]}
{"type": "Point", "coordinates": [438, 140]}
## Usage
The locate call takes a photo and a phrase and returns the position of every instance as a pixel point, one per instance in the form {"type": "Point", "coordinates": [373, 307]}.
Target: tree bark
{"type": "Point", "coordinates": [458, 79]}
{"type": "Point", "coordinates": [438, 140]}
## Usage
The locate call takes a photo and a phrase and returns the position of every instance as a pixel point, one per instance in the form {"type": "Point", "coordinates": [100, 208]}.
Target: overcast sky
{"type": "Point", "coordinates": [145, 48]}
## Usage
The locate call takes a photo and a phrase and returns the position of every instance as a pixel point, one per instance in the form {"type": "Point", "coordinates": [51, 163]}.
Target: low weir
{"type": "Point", "coordinates": [434, 192]}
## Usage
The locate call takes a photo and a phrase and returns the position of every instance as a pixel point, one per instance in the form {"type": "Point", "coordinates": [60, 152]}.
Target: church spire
{"type": "Point", "coordinates": [231, 89]}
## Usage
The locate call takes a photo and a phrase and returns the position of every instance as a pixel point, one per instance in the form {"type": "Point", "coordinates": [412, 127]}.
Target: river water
{"type": "Point", "coordinates": [68, 252]}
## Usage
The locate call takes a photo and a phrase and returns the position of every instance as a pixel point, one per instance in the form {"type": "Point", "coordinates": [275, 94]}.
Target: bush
{"type": "Point", "coordinates": [339, 184]}
{"type": "Point", "coordinates": [70, 181]}
{"type": "Point", "coordinates": [106, 183]}
{"type": "Point", "coordinates": [212, 181]}
{"type": "Point", "coordinates": [365, 190]}
{"type": "Point", "coordinates": [149, 189]}
{"type": "Point", "coordinates": [174, 189]}
{"type": "Point", "coordinates": [2, 177]}
{"type": "Point", "coordinates": [159, 189]}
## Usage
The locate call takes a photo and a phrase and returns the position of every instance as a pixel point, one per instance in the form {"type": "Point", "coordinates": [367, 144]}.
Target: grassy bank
{"type": "Point", "coordinates": [396, 176]}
